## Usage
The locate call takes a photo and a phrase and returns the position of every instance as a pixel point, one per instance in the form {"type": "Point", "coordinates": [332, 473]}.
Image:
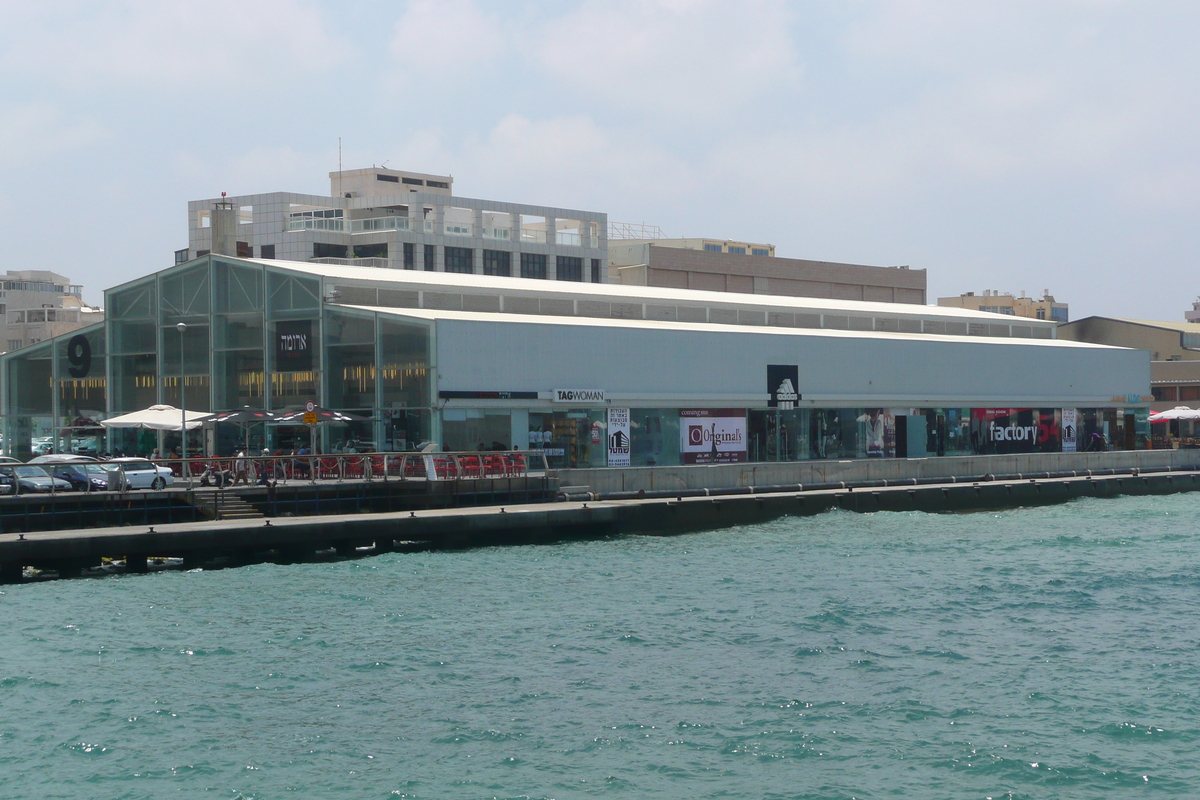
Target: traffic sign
{"type": "Point", "coordinates": [310, 418]}
{"type": "Point", "coordinates": [310, 407]}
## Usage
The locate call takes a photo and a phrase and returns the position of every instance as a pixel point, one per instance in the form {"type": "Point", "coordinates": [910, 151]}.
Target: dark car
{"type": "Point", "coordinates": [32, 478]}
{"type": "Point", "coordinates": [83, 476]}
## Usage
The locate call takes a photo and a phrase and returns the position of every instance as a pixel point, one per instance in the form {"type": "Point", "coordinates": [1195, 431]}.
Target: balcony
{"type": "Point", "coordinates": [316, 224]}
{"type": "Point", "coordinates": [458, 229]}
{"type": "Point", "coordinates": [533, 236]}
{"type": "Point", "coordinates": [498, 233]}
{"type": "Point", "coordinates": [392, 223]}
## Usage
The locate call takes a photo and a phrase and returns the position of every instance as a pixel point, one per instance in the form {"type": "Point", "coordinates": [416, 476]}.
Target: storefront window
{"type": "Point", "coordinates": [778, 434]}
{"type": "Point", "coordinates": [570, 438]}
{"type": "Point", "coordinates": [404, 357]}
{"type": "Point", "coordinates": [834, 433]}
{"type": "Point", "coordinates": [477, 429]}
{"type": "Point", "coordinates": [653, 437]}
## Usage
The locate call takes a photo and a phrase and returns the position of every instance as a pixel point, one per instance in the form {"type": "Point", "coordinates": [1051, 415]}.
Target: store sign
{"type": "Point", "coordinates": [712, 435]}
{"type": "Point", "coordinates": [1016, 430]}
{"type": "Point", "coordinates": [1070, 432]}
{"type": "Point", "coordinates": [618, 437]}
{"type": "Point", "coordinates": [783, 381]}
{"type": "Point", "coordinates": [293, 346]}
{"type": "Point", "coordinates": [579, 395]}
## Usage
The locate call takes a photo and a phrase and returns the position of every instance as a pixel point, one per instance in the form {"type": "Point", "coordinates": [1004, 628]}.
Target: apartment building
{"type": "Point", "coordinates": [36, 305]}
{"type": "Point", "coordinates": [395, 219]}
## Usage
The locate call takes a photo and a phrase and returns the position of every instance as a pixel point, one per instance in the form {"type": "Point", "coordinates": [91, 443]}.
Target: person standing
{"type": "Point", "coordinates": [241, 468]}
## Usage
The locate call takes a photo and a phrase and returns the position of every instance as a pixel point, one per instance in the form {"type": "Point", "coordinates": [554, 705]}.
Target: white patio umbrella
{"type": "Point", "coordinates": [1178, 412]}
{"type": "Point", "coordinates": [158, 418]}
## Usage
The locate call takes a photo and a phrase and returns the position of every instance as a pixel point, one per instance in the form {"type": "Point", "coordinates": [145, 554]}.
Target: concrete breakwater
{"type": "Point", "coordinates": [851, 472]}
{"type": "Point", "coordinates": [232, 542]}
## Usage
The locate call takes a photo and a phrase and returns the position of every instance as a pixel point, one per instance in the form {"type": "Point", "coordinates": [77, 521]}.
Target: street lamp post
{"type": "Point", "coordinates": [182, 328]}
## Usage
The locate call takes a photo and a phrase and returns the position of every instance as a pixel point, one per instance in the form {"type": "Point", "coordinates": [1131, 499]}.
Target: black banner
{"type": "Point", "coordinates": [783, 385]}
{"type": "Point", "coordinates": [294, 346]}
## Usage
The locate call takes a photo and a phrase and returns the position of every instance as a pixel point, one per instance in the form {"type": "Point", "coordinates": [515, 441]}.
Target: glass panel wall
{"type": "Point", "coordinates": [653, 436]}
{"type": "Point", "coordinates": [29, 423]}
{"type": "Point", "coordinates": [350, 362]}
{"type": "Point", "coordinates": [404, 384]}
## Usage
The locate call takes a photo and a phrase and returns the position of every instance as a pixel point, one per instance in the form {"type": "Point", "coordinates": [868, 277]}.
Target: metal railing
{"type": "Point", "coordinates": [294, 468]}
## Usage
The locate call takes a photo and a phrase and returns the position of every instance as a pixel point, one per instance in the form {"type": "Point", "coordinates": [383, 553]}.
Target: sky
{"type": "Point", "coordinates": [1018, 146]}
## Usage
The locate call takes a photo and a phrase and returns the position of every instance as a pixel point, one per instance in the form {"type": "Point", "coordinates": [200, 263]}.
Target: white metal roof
{"type": "Point", "coordinates": [621, 292]}
{"type": "Point", "coordinates": [432, 315]}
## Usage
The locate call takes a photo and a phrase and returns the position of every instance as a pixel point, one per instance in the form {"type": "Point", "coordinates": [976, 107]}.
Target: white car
{"type": "Point", "coordinates": [141, 474]}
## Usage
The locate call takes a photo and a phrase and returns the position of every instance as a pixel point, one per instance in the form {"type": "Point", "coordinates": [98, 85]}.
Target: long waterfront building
{"type": "Point", "coordinates": [591, 374]}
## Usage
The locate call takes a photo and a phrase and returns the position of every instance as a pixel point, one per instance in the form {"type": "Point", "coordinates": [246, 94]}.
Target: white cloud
{"type": "Point", "coordinates": [705, 58]}
{"type": "Point", "coordinates": [444, 39]}
{"type": "Point", "coordinates": [152, 42]}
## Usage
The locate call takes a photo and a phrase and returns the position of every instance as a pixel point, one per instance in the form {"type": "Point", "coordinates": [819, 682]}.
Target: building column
{"type": "Point", "coordinates": [552, 247]}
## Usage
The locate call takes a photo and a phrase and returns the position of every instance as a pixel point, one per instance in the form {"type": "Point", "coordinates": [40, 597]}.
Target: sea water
{"type": "Point", "coordinates": [1043, 652]}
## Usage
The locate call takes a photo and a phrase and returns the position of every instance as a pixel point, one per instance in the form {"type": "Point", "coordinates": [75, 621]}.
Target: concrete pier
{"type": "Point", "coordinates": [299, 538]}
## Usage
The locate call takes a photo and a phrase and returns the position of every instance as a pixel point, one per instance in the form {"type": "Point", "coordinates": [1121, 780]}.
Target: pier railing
{"type": "Point", "coordinates": [358, 467]}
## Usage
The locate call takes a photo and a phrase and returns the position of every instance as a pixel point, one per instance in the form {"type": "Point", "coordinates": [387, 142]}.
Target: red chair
{"type": "Point", "coordinates": [355, 467]}
{"type": "Point", "coordinates": [515, 464]}
{"type": "Point", "coordinates": [470, 466]}
{"type": "Point", "coordinates": [445, 467]}
{"type": "Point", "coordinates": [378, 466]}
{"type": "Point", "coordinates": [328, 468]}
{"type": "Point", "coordinates": [493, 465]}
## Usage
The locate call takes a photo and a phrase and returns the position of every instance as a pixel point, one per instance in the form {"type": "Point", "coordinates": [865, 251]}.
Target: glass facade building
{"type": "Point", "coordinates": [472, 362]}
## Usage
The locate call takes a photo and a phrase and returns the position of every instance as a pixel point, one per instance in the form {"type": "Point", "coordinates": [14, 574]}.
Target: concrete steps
{"type": "Point", "coordinates": [223, 505]}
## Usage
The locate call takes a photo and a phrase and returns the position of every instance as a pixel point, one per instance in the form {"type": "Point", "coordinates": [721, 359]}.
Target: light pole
{"type": "Point", "coordinates": [182, 328]}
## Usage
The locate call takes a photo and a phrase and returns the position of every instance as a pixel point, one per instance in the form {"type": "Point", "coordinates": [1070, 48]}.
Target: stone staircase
{"type": "Point", "coordinates": [225, 505]}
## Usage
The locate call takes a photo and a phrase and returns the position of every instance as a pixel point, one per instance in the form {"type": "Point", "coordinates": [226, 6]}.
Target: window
{"type": "Point", "coordinates": [181, 256]}
{"type": "Point", "coordinates": [266, 251]}
{"type": "Point", "coordinates": [388, 178]}
{"type": "Point", "coordinates": [712, 248]}
{"type": "Point", "coordinates": [737, 249]}
{"type": "Point", "coordinates": [430, 258]}
{"type": "Point", "coordinates": [412, 181]}
{"type": "Point", "coordinates": [437, 184]}
{"type": "Point", "coordinates": [759, 251]}
{"type": "Point", "coordinates": [410, 256]}
{"type": "Point", "coordinates": [15, 344]}
{"type": "Point", "coordinates": [497, 262]}
{"type": "Point", "coordinates": [323, 250]}
{"type": "Point", "coordinates": [459, 259]}
{"type": "Point", "coordinates": [371, 250]}
{"type": "Point", "coordinates": [244, 250]}
{"type": "Point", "coordinates": [568, 268]}
{"type": "Point", "coordinates": [533, 265]}
{"type": "Point", "coordinates": [595, 270]}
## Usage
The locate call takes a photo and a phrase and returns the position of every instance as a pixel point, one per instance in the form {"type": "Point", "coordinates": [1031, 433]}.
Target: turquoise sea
{"type": "Point", "coordinates": [1034, 653]}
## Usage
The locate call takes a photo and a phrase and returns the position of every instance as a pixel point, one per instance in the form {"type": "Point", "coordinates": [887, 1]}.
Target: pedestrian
{"type": "Point", "coordinates": [241, 468]}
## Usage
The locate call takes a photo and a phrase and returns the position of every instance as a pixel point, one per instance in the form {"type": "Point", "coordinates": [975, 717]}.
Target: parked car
{"type": "Point", "coordinates": [142, 474]}
{"type": "Point", "coordinates": [33, 478]}
{"type": "Point", "coordinates": [83, 476]}
{"type": "Point", "coordinates": [61, 458]}
{"type": "Point", "coordinates": [8, 460]}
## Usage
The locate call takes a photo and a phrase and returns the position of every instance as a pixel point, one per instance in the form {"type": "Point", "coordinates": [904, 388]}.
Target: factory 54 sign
{"type": "Point", "coordinates": [712, 435]}
{"type": "Point", "coordinates": [293, 346]}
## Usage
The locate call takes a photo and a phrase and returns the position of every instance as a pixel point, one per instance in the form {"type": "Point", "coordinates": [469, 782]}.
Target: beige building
{"type": "Point", "coordinates": [993, 302]}
{"type": "Point", "coordinates": [675, 264]}
{"type": "Point", "coordinates": [36, 305]}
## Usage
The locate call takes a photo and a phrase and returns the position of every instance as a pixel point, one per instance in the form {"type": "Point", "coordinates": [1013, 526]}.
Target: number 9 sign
{"type": "Point", "coordinates": [79, 353]}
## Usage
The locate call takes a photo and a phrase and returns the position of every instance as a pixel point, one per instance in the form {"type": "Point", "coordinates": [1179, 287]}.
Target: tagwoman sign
{"type": "Point", "coordinates": [712, 435]}
{"type": "Point", "coordinates": [579, 396]}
